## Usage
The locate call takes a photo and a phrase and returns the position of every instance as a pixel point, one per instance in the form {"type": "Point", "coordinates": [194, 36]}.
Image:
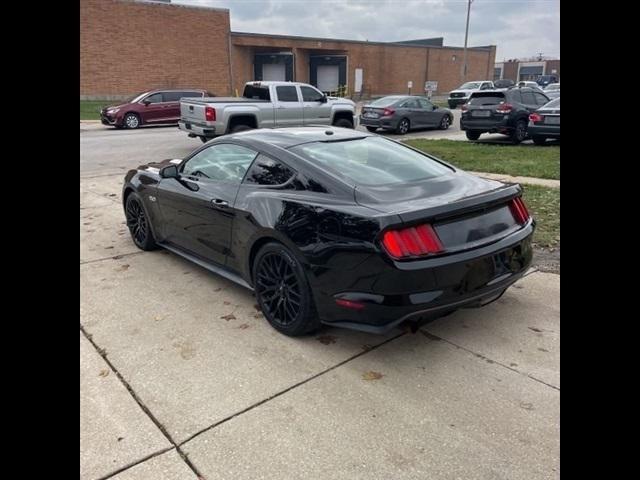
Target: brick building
{"type": "Point", "coordinates": [127, 46]}
{"type": "Point", "coordinates": [518, 70]}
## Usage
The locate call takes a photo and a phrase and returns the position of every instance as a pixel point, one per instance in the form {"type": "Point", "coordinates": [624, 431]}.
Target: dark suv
{"type": "Point", "coordinates": [151, 107]}
{"type": "Point", "coordinates": [505, 112]}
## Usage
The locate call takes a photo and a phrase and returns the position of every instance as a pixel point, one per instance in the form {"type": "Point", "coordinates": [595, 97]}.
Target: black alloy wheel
{"type": "Point", "coordinates": [138, 223]}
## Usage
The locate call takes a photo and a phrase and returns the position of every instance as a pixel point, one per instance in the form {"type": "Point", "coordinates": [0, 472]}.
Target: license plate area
{"type": "Point", "coordinates": [480, 113]}
{"type": "Point", "coordinates": [370, 115]}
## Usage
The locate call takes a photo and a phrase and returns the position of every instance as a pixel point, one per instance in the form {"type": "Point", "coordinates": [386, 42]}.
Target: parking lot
{"type": "Point", "coordinates": [181, 376]}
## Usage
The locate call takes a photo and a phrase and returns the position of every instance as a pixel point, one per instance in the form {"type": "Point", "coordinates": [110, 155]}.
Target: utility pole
{"type": "Point", "coordinates": [466, 36]}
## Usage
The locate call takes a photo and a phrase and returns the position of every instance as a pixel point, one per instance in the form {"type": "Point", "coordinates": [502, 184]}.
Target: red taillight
{"type": "Point", "coordinates": [464, 107]}
{"type": "Point", "coordinates": [535, 117]}
{"type": "Point", "coordinates": [343, 302]}
{"type": "Point", "coordinates": [504, 108]}
{"type": "Point", "coordinates": [411, 242]}
{"type": "Point", "coordinates": [519, 210]}
{"type": "Point", "coordinates": [388, 111]}
{"type": "Point", "coordinates": [210, 114]}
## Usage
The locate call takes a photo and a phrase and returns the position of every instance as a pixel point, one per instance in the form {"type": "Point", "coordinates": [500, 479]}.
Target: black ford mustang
{"type": "Point", "coordinates": [334, 226]}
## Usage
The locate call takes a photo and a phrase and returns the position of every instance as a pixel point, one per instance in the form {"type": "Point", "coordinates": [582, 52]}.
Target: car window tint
{"type": "Point", "coordinates": [515, 96]}
{"type": "Point", "coordinates": [425, 104]}
{"type": "Point", "coordinates": [371, 161]}
{"type": "Point", "coordinates": [528, 98]}
{"type": "Point", "coordinates": [155, 98]}
{"type": "Point", "coordinates": [486, 99]}
{"type": "Point", "coordinates": [287, 94]}
{"type": "Point", "coordinates": [221, 163]}
{"type": "Point", "coordinates": [172, 96]}
{"type": "Point", "coordinates": [540, 98]}
{"type": "Point", "coordinates": [310, 94]}
{"type": "Point", "coordinates": [267, 171]}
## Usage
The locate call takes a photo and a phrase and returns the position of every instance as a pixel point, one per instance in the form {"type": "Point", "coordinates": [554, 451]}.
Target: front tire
{"type": "Point", "coordinates": [538, 140]}
{"type": "Point", "coordinates": [283, 292]}
{"type": "Point", "coordinates": [372, 129]}
{"type": "Point", "coordinates": [403, 126]}
{"type": "Point", "coordinates": [131, 121]}
{"type": "Point", "coordinates": [139, 223]}
{"type": "Point", "coordinates": [471, 135]}
{"type": "Point", "coordinates": [445, 123]}
{"type": "Point", "coordinates": [343, 123]}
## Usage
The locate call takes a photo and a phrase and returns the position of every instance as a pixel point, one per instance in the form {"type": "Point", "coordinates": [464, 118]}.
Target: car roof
{"type": "Point", "coordinates": [260, 83]}
{"type": "Point", "coordinates": [291, 136]}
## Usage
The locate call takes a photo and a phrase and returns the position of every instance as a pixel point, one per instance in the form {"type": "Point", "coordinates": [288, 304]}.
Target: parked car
{"type": "Point", "coordinates": [503, 84]}
{"type": "Point", "coordinates": [545, 122]}
{"type": "Point", "coordinates": [401, 113]}
{"type": "Point", "coordinates": [264, 105]}
{"type": "Point", "coordinates": [506, 112]}
{"type": "Point", "coordinates": [461, 95]}
{"type": "Point", "coordinates": [334, 226]}
{"type": "Point", "coordinates": [151, 107]}
{"type": "Point", "coordinates": [552, 90]}
{"type": "Point", "coordinates": [544, 80]}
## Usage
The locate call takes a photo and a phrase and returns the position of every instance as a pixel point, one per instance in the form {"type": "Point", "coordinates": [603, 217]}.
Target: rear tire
{"type": "Point", "coordinates": [538, 140]}
{"type": "Point", "coordinates": [343, 123]}
{"type": "Point", "coordinates": [283, 292]}
{"type": "Point", "coordinates": [519, 133]}
{"type": "Point", "coordinates": [139, 223]}
{"type": "Point", "coordinates": [372, 129]}
{"type": "Point", "coordinates": [471, 135]}
{"type": "Point", "coordinates": [403, 126]}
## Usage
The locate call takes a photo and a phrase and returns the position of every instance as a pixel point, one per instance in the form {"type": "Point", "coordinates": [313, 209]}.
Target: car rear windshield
{"type": "Point", "coordinates": [256, 93]}
{"type": "Point", "coordinates": [371, 161]}
{"type": "Point", "coordinates": [487, 98]}
{"type": "Point", "coordinates": [385, 101]}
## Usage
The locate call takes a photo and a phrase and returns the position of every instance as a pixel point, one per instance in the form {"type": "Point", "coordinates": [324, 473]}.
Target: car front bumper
{"type": "Point", "coordinates": [454, 102]}
{"type": "Point", "coordinates": [110, 120]}
{"type": "Point", "coordinates": [197, 130]}
{"type": "Point", "coordinates": [418, 290]}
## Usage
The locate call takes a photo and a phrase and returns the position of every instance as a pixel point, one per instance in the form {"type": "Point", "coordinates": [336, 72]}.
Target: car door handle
{"type": "Point", "coordinates": [219, 203]}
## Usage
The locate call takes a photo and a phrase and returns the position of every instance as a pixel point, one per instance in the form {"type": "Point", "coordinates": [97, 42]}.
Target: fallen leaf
{"type": "Point", "coordinates": [371, 375]}
{"type": "Point", "coordinates": [535, 329]}
{"type": "Point", "coordinates": [257, 315]}
{"type": "Point", "coordinates": [244, 326]}
{"type": "Point", "coordinates": [123, 267]}
{"type": "Point", "coordinates": [227, 302]}
{"type": "Point", "coordinates": [228, 317]}
{"type": "Point", "coordinates": [103, 373]}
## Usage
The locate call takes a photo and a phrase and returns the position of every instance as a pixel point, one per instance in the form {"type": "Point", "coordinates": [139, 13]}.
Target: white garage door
{"type": "Point", "coordinates": [328, 78]}
{"type": "Point", "coordinates": [273, 72]}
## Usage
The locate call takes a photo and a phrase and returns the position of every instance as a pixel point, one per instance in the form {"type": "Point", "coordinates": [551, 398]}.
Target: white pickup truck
{"type": "Point", "coordinates": [461, 94]}
{"type": "Point", "coordinates": [264, 105]}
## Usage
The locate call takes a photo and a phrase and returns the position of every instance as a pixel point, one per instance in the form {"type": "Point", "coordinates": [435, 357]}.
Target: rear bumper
{"type": "Point", "coordinates": [197, 130]}
{"type": "Point", "coordinates": [492, 125]}
{"type": "Point", "coordinates": [384, 122]}
{"type": "Point", "coordinates": [428, 288]}
{"type": "Point", "coordinates": [552, 131]}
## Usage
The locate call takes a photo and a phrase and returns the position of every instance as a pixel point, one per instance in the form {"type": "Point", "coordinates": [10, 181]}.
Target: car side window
{"type": "Point", "coordinates": [528, 98]}
{"type": "Point", "coordinates": [267, 171]}
{"type": "Point", "coordinates": [310, 94]}
{"type": "Point", "coordinates": [485, 86]}
{"type": "Point", "coordinates": [541, 99]}
{"type": "Point", "coordinates": [287, 94]}
{"type": "Point", "coordinates": [173, 96]}
{"type": "Point", "coordinates": [516, 97]}
{"type": "Point", "coordinates": [426, 104]}
{"type": "Point", "coordinates": [220, 163]}
{"type": "Point", "coordinates": [409, 104]}
{"type": "Point", "coordinates": [155, 98]}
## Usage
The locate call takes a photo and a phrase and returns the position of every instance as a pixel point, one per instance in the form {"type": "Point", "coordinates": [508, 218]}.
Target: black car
{"type": "Point", "coordinates": [334, 226]}
{"type": "Point", "coordinates": [401, 113]}
{"type": "Point", "coordinates": [545, 122]}
{"type": "Point", "coordinates": [505, 112]}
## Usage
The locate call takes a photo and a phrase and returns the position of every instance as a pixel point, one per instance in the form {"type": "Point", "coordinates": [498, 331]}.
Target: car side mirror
{"type": "Point", "coordinates": [146, 102]}
{"type": "Point", "coordinates": [170, 171]}
{"type": "Point", "coordinates": [435, 107]}
{"type": "Point", "coordinates": [323, 99]}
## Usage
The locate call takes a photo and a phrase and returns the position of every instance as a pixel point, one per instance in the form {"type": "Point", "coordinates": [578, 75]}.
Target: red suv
{"type": "Point", "coordinates": [149, 108]}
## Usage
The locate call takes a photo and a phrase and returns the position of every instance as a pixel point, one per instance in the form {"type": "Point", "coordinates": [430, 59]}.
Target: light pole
{"type": "Point", "coordinates": [466, 36]}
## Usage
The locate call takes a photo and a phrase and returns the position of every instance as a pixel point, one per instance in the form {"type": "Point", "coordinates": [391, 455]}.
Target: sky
{"type": "Point", "coordinates": [519, 28]}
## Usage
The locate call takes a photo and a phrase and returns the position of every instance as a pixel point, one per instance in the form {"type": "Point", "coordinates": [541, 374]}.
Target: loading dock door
{"type": "Point", "coordinates": [328, 78]}
{"type": "Point", "coordinates": [273, 72]}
